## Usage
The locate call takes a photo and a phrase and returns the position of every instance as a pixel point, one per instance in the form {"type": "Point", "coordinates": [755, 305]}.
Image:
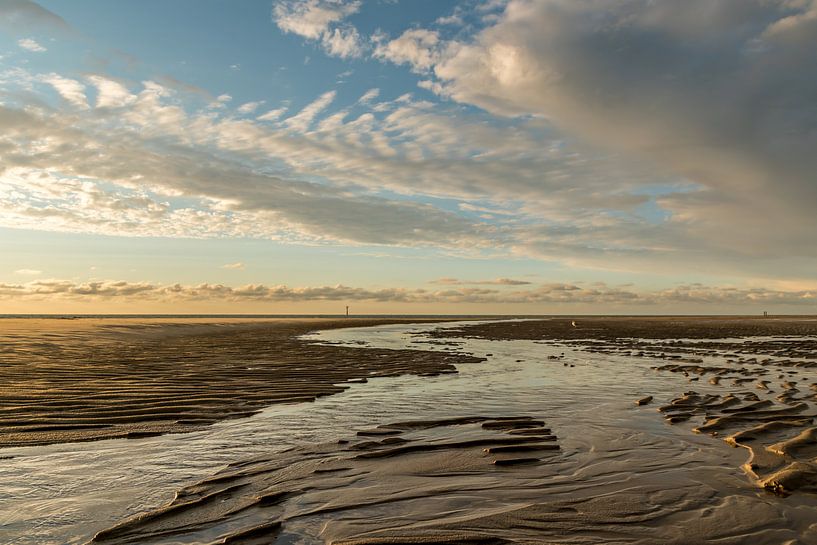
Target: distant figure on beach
{"type": "Point", "coordinates": [573, 323]}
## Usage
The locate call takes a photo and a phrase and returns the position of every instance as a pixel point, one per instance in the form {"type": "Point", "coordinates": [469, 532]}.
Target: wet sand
{"type": "Point", "coordinates": [581, 437]}
{"type": "Point", "coordinates": [396, 463]}
{"type": "Point", "coordinates": [768, 379]}
{"type": "Point", "coordinates": [90, 379]}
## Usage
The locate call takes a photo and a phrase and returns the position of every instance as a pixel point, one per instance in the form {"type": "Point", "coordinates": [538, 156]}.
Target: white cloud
{"type": "Point", "coordinates": [446, 281]}
{"type": "Point", "coordinates": [311, 18]}
{"type": "Point", "coordinates": [321, 20]}
{"type": "Point", "coordinates": [237, 266]}
{"type": "Point", "coordinates": [28, 272]}
{"type": "Point", "coordinates": [249, 107]}
{"type": "Point", "coordinates": [342, 42]}
{"type": "Point", "coordinates": [431, 85]}
{"type": "Point", "coordinates": [31, 45]}
{"type": "Point", "coordinates": [69, 89]}
{"type": "Point", "coordinates": [111, 94]}
{"type": "Point", "coordinates": [303, 119]}
{"type": "Point", "coordinates": [455, 19]}
{"type": "Point", "coordinates": [272, 115]}
{"type": "Point", "coordinates": [221, 101]}
{"type": "Point", "coordinates": [369, 95]}
{"type": "Point", "coordinates": [419, 48]}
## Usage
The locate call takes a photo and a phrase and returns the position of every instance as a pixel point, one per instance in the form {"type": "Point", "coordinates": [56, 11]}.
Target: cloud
{"type": "Point", "coordinates": [369, 95]}
{"type": "Point", "coordinates": [249, 107]}
{"type": "Point", "coordinates": [342, 42]}
{"type": "Point", "coordinates": [303, 119]}
{"type": "Point", "coordinates": [419, 48]}
{"type": "Point", "coordinates": [237, 266]}
{"type": "Point", "coordinates": [402, 172]}
{"type": "Point", "coordinates": [110, 93]}
{"type": "Point", "coordinates": [272, 115]}
{"type": "Point", "coordinates": [555, 294]}
{"type": "Point", "coordinates": [446, 281]}
{"type": "Point", "coordinates": [322, 21]}
{"type": "Point", "coordinates": [719, 93]}
{"type": "Point", "coordinates": [56, 179]}
{"type": "Point", "coordinates": [28, 272]}
{"type": "Point", "coordinates": [31, 45]}
{"type": "Point", "coordinates": [69, 89]}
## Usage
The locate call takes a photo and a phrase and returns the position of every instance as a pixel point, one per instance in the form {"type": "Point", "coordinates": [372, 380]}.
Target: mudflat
{"type": "Point", "coordinates": [85, 379]}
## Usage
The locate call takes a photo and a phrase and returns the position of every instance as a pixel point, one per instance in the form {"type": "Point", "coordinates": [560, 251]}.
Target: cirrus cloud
{"type": "Point", "coordinates": [32, 45]}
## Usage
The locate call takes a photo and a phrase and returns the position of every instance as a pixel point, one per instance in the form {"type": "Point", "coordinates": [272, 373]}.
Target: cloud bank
{"type": "Point", "coordinates": [546, 294]}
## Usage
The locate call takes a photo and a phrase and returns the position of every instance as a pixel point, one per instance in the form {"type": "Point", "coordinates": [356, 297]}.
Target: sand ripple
{"type": "Point", "coordinates": [108, 380]}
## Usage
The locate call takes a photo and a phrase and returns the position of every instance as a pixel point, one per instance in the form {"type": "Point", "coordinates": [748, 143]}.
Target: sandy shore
{"type": "Point", "coordinates": [88, 379]}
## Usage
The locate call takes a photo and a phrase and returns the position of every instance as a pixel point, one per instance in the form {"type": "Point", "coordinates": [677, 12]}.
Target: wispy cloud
{"type": "Point", "coordinates": [369, 96]}
{"type": "Point", "coordinates": [71, 90]}
{"type": "Point", "coordinates": [273, 115]}
{"type": "Point", "coordinates": [249, 107]}
{"type": "Point", "coordinates": [30, 44]}
{"type": "Point", "coordinates": [238, 266]}
{"type": "Point", "coordinates": [446, 281]}
{"type": "Point", "coordinates": [303, 119]}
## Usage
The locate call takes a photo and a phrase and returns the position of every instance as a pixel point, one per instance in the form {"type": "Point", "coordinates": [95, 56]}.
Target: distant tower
{"type": "Point", "coordinates": [765, 314]}
{"type": "Point", "coordinates": [347, 311]}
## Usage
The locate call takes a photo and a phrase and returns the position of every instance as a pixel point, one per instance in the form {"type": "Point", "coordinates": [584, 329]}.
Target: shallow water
{"type": "Point", "coordinates": [63, 494]}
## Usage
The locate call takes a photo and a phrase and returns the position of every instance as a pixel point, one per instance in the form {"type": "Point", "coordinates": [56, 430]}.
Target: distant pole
{"type": "Point", "coordinates": [347, 311]}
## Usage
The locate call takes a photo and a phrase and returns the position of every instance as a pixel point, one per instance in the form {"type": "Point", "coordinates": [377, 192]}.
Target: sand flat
{"type": "Point", "coordinates": [67, 380]}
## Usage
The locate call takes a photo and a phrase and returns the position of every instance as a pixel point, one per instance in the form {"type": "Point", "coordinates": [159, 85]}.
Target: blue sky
{"type": "Point", "coordinates": [495, 156]}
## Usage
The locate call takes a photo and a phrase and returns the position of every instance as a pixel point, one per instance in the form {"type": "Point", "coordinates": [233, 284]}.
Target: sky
{"type": "Point", "coordinates": [408, 156]}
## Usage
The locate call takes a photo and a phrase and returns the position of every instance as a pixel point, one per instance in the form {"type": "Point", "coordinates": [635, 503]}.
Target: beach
{"type": "Point", "coordinates": [545, 433]}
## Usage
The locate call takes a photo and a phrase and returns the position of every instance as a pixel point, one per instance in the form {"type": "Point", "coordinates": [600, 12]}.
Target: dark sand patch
{"type": "Point", "coordinates": [76, 380]}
